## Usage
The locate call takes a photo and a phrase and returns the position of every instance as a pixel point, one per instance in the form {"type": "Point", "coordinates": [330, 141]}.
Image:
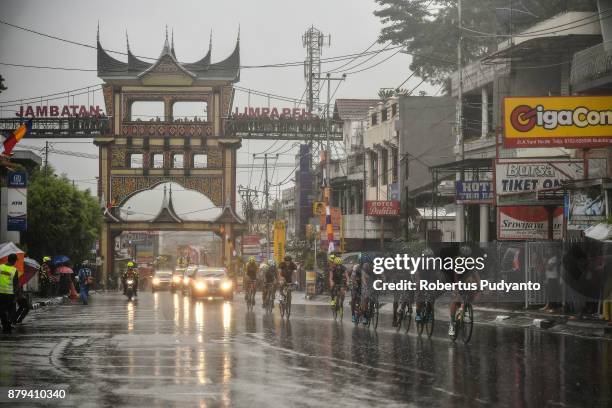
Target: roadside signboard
{"type": "Point", "coordinates": [380, 208]}
{"type": "Point", "coordinates": [569, 121]}
{"type": "Point", "coordinates": [585, 207]}
{"type": "Point", "coordinates": [531, 176]}
{"type": "Point", "coordinates": [474, 192]}
{"type": "Point", "coordinates": [527, 223]}
{"type": "Point", "coordinates": [280, 238]}
{"type": "Point", "coordinates": [17, 201]}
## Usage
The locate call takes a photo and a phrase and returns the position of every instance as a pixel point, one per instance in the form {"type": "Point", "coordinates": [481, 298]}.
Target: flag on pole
{"type": "Point", "coordinates": [6, 148]}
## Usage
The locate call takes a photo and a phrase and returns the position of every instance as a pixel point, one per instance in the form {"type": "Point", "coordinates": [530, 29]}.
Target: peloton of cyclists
{"type": "Point", "coordinates": [267, 272]}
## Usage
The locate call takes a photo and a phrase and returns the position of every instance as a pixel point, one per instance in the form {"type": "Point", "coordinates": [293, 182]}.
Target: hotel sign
{"type": "Point", "coordinates": [55, 111]}
{"type": "Point", "coordinates": [569, 121]}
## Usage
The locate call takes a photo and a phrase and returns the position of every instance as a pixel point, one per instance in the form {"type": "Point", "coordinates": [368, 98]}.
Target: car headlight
{"type": "Point", "coordinates": [200, 285]}
{"type": "Point", "coordinates": [156, 281]}
{"type": "Point", "coordinates": [176, 279]}
{"type": "Point", "coordinates": [186, 280]}
{"type": "Point", "coordinates": [226, 285]}
{"type": "Point", "coordinates": [130, 282]}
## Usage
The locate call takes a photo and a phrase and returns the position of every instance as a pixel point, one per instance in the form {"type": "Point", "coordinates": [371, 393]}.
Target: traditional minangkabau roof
{"type": "Point", "coordinates": [228, 215]}
{"type": "Point", "coordinates": [166, 212]}
{"type": "Point", "coordinates": [110, 68]}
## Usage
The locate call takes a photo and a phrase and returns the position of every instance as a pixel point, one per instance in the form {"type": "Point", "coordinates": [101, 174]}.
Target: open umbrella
{"type": "Point", "coordinates": [60, 259]}
{"type": "Point", "coordinates": [30, 267]}
{"type": "Point", "coordinates": [64, 269]}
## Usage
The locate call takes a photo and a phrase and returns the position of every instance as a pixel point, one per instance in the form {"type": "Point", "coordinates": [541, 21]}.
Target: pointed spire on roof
{"type": "Point", "coordinates": [165, 199]}
{"type": "Point", "coordinates": [210, 43]}
{"type": "Point", "coordinates": [98, 32]}
{"type": "Point", "coordinates": [172, 44]}
{"type": "Point", "coordinates": [238, 40]}
{"type": "Point", "coordinates": [166, 212]}
{"type": "Point", "coordinates": [127, 40]}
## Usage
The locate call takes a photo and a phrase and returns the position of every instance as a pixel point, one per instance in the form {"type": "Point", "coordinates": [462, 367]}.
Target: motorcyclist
{"type": "Point", "coordinates": [131, 272]}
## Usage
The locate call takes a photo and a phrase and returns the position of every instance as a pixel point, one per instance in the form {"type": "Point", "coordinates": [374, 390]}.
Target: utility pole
{"type": "Point", "coordinates": [267, 194]}
{"type": "Point", "coordinates": [46, 161]}
{"type": "Point", "coordinates": [328, 78]}
{"type": "Point", "coordinates": [460, 214]}
{"type": "Point", "coordinates": [246, 194]}
{"type": "Point", "coordinates": [267, 202]}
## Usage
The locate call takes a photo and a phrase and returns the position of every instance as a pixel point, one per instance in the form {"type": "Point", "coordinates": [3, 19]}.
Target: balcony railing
{"type": "Point", "coordinates": [591, 64]}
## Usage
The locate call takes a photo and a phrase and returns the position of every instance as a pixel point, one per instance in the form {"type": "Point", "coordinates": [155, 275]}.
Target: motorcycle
{"type": "Point", "coordinates": [129, 290]}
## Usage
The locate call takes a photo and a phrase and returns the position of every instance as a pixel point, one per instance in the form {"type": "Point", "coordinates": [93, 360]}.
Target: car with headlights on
{"type": "Point", "coordinates": [211, 282]}
{"type": "Point", "coordinates": [187, 275]}
{"type": "Point", "coordinates": [177, 279]}
{"type": "Point", "coordinates": [161, 280]}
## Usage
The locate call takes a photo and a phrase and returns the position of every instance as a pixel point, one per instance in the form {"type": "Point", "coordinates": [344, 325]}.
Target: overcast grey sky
{"type": "Point", "coordinates": [271, 32]}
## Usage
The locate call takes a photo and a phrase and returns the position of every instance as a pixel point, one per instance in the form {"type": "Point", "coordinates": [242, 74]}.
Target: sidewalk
{"type": "Point", "coordinates": [555, 323]}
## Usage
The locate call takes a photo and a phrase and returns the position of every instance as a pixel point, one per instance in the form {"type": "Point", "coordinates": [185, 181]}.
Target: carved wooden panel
{"type": "Point", "coordinates": [118, 157]}
{"type": "Point", "coordinates": [210, 186]}
{"type": "Point", "coordinates": [163, 129]}
{"type": "Point", "coordinates": [107, 91]}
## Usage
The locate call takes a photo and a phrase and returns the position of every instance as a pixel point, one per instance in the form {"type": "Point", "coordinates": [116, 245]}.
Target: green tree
{"type": "Point", "coordinates": [2, 87]}
{"type": "Point", "coordinates": [429, 29]}
{"type": "Point", "coordinates": [61, 219]}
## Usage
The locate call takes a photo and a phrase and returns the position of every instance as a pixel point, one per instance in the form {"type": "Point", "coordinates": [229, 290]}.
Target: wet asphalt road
{"type": "Point", "coordinates": [168, 351]}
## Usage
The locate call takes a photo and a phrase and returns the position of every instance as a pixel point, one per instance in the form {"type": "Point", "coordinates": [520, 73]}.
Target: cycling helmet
{"type": "Point", "coordinates": [332, 257]}
{"type": "Point", "coordinates": [46, 258]}
{"type": "Point", "coordinates": [428, 252]}
{"type": "Point", "coordinates": [338, 260]}
{"type": "Point", "coordinates": [251, 259]}
{"type": "Point", "coordinates": [130, 264]}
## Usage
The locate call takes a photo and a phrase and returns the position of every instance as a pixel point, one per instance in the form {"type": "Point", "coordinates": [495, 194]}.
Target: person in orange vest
{"type": "Point", "coordinates": [9, 287]}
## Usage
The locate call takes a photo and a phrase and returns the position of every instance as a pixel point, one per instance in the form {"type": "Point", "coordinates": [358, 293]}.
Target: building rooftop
{"type": "Point", "coordinates": [135, 69]}
{"type": "Point", "coordinates": [353, 109]}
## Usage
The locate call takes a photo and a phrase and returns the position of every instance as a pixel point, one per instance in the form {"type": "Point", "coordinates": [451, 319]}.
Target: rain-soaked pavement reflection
{"type": "Point", "coordinates": [166, 350]}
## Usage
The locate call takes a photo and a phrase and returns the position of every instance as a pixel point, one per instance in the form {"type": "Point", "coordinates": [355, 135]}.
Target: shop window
{"type": "Point", "coordinates": [373, 169]}
{"type": "Point", "coordinates": [136, 161]}
{"type": "Point", "coordinates": [200, 161]}
{"type": "Point", "coordinates": [384, 167]}
{"type": "Point", "coordinates": [384, 115]}
{"type": "Point", "coordinates": [374, 119]}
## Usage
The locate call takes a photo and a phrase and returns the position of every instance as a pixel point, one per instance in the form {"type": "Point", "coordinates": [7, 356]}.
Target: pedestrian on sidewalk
{"type": "Point", "coordinates": [9, 286]}
{"type": "Point", "coordinates": [85, 280]}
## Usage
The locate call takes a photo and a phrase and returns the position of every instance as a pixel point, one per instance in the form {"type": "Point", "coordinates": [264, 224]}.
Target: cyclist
{"type": "Point", "coordinates": [250, 276]}
{"type": "Point", "coordinates": [367, 277]}
{"type": "Point", "coordinates": [338, 279]}
{"type": "Point", "coordinates": [419, 296]}
{"type": "Point", "coordinates": [286, 270]}
{"type": "Point", "coordinates": [355, 282]}
{"type": "Point", "coordinates": [451, 276]}
{"type": "Point", "coordinates": [268, 277]}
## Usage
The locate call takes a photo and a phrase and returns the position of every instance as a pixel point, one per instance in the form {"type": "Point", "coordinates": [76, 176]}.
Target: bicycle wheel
{"type": "Point", "coordinates": [467, 325]}
{"type": "Point", "coordinates": [281, 306]}
{"type": "Point", "coordinates": [335, 310]}
{"type": "Point", "coordinates": [408, 318]}
{"type": "Point", "coordinates": [341, 308]}
{"type": "Point", "coordinates": [288, 305]}
{"type": "Point", "coordinates": [429, 323]}
{"type": "Point", "coordinates": [400, 318]}
{"type": "Point", "coordinates": [375, 314]}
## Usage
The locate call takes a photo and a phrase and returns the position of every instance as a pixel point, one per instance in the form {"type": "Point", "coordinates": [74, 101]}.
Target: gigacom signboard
{"type": "Point", "coordinates": [570, 121]}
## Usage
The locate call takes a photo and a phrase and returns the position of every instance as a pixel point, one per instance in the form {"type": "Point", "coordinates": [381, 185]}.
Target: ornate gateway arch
{"type": "Point", "coordinates": [138, 154]}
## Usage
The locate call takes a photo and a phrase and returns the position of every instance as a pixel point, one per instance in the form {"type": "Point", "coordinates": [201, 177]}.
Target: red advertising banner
{"type": "Point", "coordinates": [527, 223]}
{"type": "Point", "coordinates": [390, 208]}
{"type": "Point", "coordinates": [251, 239]}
